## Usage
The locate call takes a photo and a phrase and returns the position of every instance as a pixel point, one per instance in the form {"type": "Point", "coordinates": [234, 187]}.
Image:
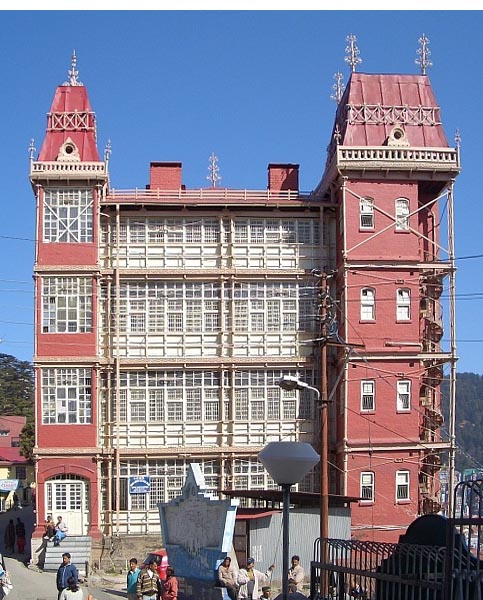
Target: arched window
{"type": "Point", "coordinates": [367, 213]}
{"type": "Point", "coordinates": [368, 304]}
{"type": "Point", "coordinates": [403, 395]}
{"type": "Point", "coordinates": [402, 214]}
{"type": "Point", "coordinates": [403, 304]}
{"type": "Point", "coordinates": [367, 486]}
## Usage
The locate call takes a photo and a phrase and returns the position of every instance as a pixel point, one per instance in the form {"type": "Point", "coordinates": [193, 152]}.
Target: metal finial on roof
{"type": "Point", "coordinates": [107, 151]}
{"type": "Point", "coordinates": [457, 138]}
{"type": "Point", "coordinates": [338, 87]}
{"type": "Point", "coordinates": [32, 149]}
{"type": "Point", "coordinates": [337, 135]}
{"type": "Point", "coordinates": [213, 170]}
{"type": "Point", "coordinates": [353, 59]}
{"type": "Point", "coordinates": [424, 54]}
{"type": "Point", "coordinates": [73, 73]}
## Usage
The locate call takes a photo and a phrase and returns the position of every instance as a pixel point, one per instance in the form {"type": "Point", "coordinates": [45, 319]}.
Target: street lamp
{"type": "Point", "coordinates": [290, 382]}
{"type": "Point", "coordinates": [287, 463]}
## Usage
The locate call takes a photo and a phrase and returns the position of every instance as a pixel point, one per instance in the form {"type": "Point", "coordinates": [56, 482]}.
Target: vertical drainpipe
{"type": "Point", "coordinates": [345, 309]}
{"type": "Point", "coordinates": [117, 369]}
{"type": "Point", "coordinates": [37, 372]}
{"type": "Point", "coordinates": [452, 403]}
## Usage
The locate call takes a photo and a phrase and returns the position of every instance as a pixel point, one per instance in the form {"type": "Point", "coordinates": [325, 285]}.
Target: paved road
{"type": "Point", "coordinates": [31, 584]}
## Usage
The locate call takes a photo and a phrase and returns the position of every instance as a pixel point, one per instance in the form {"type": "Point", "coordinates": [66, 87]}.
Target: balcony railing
{"type": "Point", "coordinates": [210, 195]}
{"type": "Point", "coordinates": [405, 158]}
{"type": "Point", "coordinates": [60, 170]}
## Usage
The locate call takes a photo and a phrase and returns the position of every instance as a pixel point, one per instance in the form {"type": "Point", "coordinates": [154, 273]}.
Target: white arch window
{"type": "Point", "coordinates": [402, 214]}
{"type": "Point", "coordinates": [403, 304]}
{"type": "Point", "coordinates": [366, 207]}
{"type": "Point", "coordinates": [367, 486]}
{"type": "Point", "coordinates": [368, 304]}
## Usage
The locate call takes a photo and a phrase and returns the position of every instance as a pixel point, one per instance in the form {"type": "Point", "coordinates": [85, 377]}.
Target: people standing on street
{"type": "Point", "coordinates": [65, 572]}
{"type": "Point", "coordinates": [60, 531]}
{"type": "Point", "coordinates": [170, 586]}
{"type": "Point", "coordinates": [147, 584]}
{"type": "Point", "coordinates": [9, 537]}
{"type": "Point", "coordinates": [296, 574]}
{"type": "Point", "coordinates": [227, 578]}
{"type": "Point", "coordinates": [20, 533]}
{"type": "Point", "coordinates": [72, 591]}
{"type": "Point", "coordinates": [16, 502]}
{"type": "Point", "coordinates": [251, 580]}
{"type": "Point", "coordinates": [132, 579]}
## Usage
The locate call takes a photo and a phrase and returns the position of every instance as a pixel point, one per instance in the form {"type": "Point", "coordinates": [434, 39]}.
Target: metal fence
{"type": "Point", "coordinates": [437, 559]}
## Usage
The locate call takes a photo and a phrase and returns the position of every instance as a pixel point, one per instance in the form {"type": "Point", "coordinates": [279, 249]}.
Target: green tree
{"type": "Point", "coordinates": [17, 397]}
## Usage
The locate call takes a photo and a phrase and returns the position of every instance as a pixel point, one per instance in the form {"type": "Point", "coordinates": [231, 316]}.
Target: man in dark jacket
{"type": "Point", "coordinates": [66, 570]}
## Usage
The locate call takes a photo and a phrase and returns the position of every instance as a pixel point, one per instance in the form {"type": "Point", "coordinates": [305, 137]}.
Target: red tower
{"type": "Point", "coordinates": [67, 178]}
{"type": "Point", "coordinates": [389, 167]}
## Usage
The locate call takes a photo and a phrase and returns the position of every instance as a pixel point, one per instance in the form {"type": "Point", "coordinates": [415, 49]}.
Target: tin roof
{"type": "Point", "coordinates": [373, 104]}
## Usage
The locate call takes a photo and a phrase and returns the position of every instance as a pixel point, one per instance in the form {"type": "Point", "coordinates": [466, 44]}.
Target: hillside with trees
{"type": "Point", "coordinates": [469, 419]}
{"type": "Point", "coordinates": [17, 396]}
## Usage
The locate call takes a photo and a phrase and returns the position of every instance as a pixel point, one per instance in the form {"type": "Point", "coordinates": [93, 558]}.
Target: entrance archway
{"type": "Point", "coordinates": [67, 495]}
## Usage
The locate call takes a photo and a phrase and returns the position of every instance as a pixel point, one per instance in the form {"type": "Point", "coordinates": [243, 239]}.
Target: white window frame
{"type": "Point", "coordinates": [403, 304]}
{"type": "Point", "coordinates": [68, 215]}
{"type": "Point", "coordinates": [66, 396]}
{"type": "Point", "coordinates": [366, 213]}
{"type": "Point", "coordinates": [66, 305]}
{"type": "Point", "coordinates": [367, 489]}
{"type": "Point", "coordinates": [368, 395]}
{"type": "Point", "coordinates": [368, 304]}
{"type": "Point", "coordinates": [402, 214]}
{"type": "Point", "coordinates": [404, 395]}
{"type": "Point", "coordinates": [402, 486]}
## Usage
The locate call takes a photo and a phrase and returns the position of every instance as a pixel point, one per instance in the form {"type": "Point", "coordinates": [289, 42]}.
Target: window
{"type": "Point", "coordinates": [20, 473]}
{"type": "Point", "coordinates": [368, 296]}
{"type": "Point", "coordinates": [66, 305]}
{"type": "Point", "coordinates": [367, 395]}
{"type": "Point", "coordinates": [402, 214]}
{"type": "Point", "coordinates": [66, 396]}
{"type": "Point", "coordinates": [403, 304]}
{"type": "Point", "coordinates": [367, 486]}
{"type": "Point", "coordinates": [404, 395]}
{"type": "Point", "coordinates": [367, 213]}
{"type": "Point", "coordinates": [68, 215]}
{"type": "Point", "coordinates": [402, 486]}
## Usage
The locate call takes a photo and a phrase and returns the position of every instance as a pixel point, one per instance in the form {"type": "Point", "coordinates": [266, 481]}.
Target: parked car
{"type": "Point", "coordinates": [161, 558]}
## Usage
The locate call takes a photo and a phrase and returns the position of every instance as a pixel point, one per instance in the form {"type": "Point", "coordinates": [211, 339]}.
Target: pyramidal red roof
{"type": "Point", "coordinates": [373, 105]}
{"type": "Point", "coordinates": [70, 117]}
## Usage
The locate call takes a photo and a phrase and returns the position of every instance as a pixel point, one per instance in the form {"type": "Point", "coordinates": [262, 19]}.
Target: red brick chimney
{"type": "Point", "coordinates": [165, 176]}
{"type": "Point", "coordinates": [283, 177]}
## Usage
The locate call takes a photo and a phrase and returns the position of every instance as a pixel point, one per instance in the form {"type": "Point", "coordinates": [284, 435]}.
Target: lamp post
{"type": "Point", "coordinates": [289, 382]}
{"type": "Point", "coordinates": [287, 463]}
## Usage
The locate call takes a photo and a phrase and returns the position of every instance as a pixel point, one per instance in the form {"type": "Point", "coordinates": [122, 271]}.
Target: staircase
{"type": "Point", "coordinates": [79, 547]}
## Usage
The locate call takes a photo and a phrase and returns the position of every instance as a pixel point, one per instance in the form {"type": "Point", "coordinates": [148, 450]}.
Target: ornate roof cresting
{"type": "Point", "coordinates": [338, 87]}
{"type": "Point", "coordinates": [214, 178]}
{"type": "Point", "coordinates": [352, 59]}
{"type": "Point", "coordinates": [424, 54]}
{"type": "Point", "coordinates": [73, 72]}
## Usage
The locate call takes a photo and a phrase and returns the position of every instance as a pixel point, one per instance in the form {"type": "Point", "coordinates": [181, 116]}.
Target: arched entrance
{"type": "Point", "coordinates": [68, 495]}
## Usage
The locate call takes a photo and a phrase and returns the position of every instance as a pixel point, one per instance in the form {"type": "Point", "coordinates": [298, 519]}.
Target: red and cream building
{"type": "Point", "coordinates": [165, 317]}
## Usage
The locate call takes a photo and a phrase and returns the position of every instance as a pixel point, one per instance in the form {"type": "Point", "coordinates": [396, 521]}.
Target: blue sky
{"type": "Point", "coordinates": [251, 86]}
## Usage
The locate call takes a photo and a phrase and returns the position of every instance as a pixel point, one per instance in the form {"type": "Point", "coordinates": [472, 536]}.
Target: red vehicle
{"type": "Point", "coordinates": [161, 558]}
